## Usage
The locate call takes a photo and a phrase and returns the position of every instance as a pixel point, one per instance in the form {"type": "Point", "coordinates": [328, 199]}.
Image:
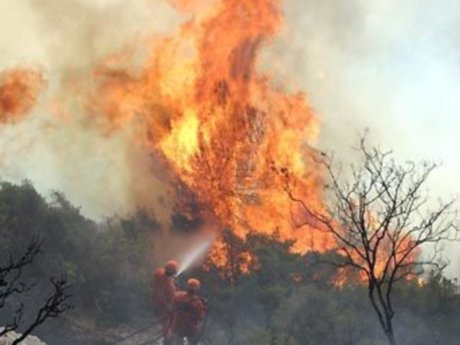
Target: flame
{"type": "Point", "coordinates": [182, 143]}
{"type": "Point", "coordinates": [220, 124]}
{"type": "Point", "coordinates": [218, 121]}
{"type": "Point", "coordinates": [391, 250]}
{"type": "Point", "coordinates": [203, 104]}
{"type": "Point", "coordinates": [19, 90]}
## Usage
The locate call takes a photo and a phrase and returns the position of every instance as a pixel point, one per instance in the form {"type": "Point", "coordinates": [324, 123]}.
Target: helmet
{"type": "Point", "coordinates": [193, 285]}
{"type": "Point", "coordinates": [171, 267]}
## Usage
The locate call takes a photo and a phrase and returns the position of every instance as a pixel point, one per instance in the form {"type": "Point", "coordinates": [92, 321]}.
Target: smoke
{"type": "Point", "coordinates": [389, 66]}
{"type": "Point", "coordinates": [56, 148]}
{"type": "Point", "coordinates": [384, 65]}
{"type": "Point", "coordinates": [19, 89]}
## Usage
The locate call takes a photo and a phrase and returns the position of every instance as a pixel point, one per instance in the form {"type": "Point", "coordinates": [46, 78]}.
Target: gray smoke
{"type": "Point", "coordinates": [390, 66]}
{"type": "Point", "coordinates": [56, 149]}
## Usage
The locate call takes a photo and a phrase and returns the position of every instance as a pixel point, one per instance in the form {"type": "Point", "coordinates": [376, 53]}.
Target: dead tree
{"type": "Point", "coordinates": [13, 286]}
{"type": "Point", "coordinates": [380, 216]}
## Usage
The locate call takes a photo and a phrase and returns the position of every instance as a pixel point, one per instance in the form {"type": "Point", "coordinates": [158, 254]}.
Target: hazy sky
{"type": "Point", "coordinates": [390, 65]}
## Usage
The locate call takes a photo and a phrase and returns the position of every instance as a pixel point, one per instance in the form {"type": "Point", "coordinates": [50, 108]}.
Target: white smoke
{"type": "Point", "coordinates": [391, 66]}
{"type": "Point", "coordinates": [55, 148]}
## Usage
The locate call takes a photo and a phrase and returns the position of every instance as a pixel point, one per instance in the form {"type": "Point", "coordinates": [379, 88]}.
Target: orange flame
{"type": "Point", "coordinates": [219, 122]}
{"type": "Point", "coordinates": [19, 89]}
{"type": "Point", "coordinates": [221, 125]}
{"type": "Point", "coordinates": [201, 103]}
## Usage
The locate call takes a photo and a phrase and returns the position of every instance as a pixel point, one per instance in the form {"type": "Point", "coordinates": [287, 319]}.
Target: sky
{"type": "Point", "coordinates": [391, 66]}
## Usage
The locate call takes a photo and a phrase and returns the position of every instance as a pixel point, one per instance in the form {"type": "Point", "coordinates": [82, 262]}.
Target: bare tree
{"type": "Point", "coordinates": [380, 216]}
{"type": "Point", "coordinates": [13, 286]}
{"type": "Point", "coordinates": [11, 271]}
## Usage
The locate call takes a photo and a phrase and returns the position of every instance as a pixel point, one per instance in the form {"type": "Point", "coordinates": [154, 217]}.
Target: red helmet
{"type": "Point", "coordinates": [193, 285]}
{"type": "Point", "coordinates": [171, 267]}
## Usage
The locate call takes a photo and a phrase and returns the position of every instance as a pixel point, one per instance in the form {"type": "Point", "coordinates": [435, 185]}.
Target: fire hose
{"type": "Point", "coordinates": [158, 334]}
{"type": "Point", "coordinates": [121, 339]}
{"type": "Point", "coordinates": [187, 262]}
{"type": "Point", "coordinates": [156, 322]}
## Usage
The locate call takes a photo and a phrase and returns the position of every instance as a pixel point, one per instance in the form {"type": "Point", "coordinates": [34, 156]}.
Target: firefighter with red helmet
{"type": "Point", "coordinates": [189, 314]}
{"type": "Point", "coordinates": [164, 290]}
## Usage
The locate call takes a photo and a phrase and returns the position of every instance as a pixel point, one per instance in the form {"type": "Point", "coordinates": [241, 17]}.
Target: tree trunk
{"type": "Point", "coordinates": [390, 337]}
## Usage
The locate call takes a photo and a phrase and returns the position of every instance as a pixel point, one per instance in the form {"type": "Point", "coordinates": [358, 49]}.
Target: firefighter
{"type": "Point", "coordinates": [189, 314]}
{"type": "Point", "coordinates": [164, 289]}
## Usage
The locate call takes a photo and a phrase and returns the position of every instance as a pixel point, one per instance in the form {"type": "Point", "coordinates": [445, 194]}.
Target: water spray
{"type": "Point", "coordinates": [194, 255]}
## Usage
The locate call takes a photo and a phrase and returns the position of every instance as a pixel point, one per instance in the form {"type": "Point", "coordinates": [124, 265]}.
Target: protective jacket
{"type": "Point", "coordinates": [164, 289]}
{"type": "Point", "coordinates": [189, 314]}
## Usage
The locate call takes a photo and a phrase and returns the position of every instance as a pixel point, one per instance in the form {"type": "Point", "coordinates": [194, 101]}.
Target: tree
{"type": "Point", "coordinates": [13, 286]}
{"type": "Point", "coordinates": [246, 289]}
{"type": "Point", "coordinates": [380, 217]}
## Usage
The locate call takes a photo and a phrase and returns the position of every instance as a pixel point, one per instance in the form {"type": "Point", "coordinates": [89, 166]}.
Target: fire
{"type": "Point", "coordinates": [218, 121]}
{"type": "Point", "coordinates": [19, 90]}
{"type": "Point", "coordinates": [203, 104]}
{"type": "Point", "coordinates": [390, 249]}
{"type": "Point", "coordinates": [182, 143]}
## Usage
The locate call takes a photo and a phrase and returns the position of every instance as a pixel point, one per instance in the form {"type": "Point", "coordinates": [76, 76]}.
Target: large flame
{"type": "Point", "coordinates": [224, 131]}
{"type": "Point", "coordinates": [218, 121]}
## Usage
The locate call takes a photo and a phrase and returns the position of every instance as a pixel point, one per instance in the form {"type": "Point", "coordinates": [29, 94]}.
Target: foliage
{"type": "Point", "coordinates": [284, 298]}
{"type": "Point", "coordinates": [380, 218]}
{"type": "Point", "coordinates": [105, 263]}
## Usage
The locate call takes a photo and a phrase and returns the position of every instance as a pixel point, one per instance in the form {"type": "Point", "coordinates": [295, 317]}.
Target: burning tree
{"type": "Point", "coordinates": [380, 218]}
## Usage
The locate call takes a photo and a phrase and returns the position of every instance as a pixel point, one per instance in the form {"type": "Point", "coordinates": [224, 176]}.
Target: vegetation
{"type": "Point", "coordinates": [380, 218]}
{"type": "Point", "coordinates": [285, 298]}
